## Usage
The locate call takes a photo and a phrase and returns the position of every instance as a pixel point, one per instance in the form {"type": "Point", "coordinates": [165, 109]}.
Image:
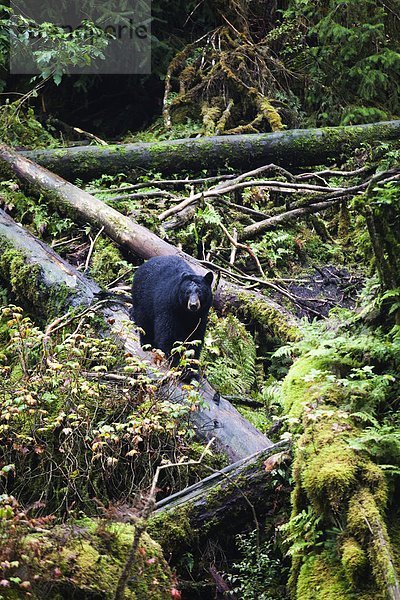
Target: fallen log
{"type": "Point", "coordinates": [46, 284]}
{"type": "Point", "coordinates": [296, 147]}
{"type": "Point", "coordinates": [79, 204]}
{"type": "Point", "coordinates": [204, 510]}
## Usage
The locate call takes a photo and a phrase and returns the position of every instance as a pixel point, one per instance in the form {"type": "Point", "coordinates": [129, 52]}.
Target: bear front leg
{"type": "Point", "coordinates": [164, 334]}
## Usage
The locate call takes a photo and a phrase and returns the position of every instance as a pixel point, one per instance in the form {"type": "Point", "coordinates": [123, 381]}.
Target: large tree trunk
{"type": "Point", "coordinates": [79, 204]}
{"type": "Point", "coordinates": [296, 147]}
{"type": "Point", "coordinates": [46, 284]}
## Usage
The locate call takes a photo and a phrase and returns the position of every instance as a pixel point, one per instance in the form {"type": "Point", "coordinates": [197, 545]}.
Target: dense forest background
{"type": "Point", "coordinates": [286, 186]}
{"type": "Point", "coordinates": [293, 64]}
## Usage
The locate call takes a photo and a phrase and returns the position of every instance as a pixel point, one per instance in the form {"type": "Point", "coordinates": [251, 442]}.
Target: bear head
{"type": "Point", "coordinates": [195, 295]}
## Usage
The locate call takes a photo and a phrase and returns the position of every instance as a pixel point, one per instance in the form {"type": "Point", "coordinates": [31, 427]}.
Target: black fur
{"type": "Point", "coordinates": [162, 290]}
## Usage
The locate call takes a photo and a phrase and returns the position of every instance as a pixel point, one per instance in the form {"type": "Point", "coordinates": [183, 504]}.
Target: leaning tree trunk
{"type": "Point", "coordinates": [125, 232]}
{"type": "Point", "coordinates": [43, 281]}
{"type": "Point", "coordinates": [296, 147]}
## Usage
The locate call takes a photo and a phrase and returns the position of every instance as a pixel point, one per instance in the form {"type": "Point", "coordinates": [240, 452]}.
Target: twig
{"type": "Point", "coordinates": [161, 183]}
{"type": "Point", "coordinates": [64, 241]}
{"type": "Point", "coordinates": [120, 277]}
{"type": "Point", "coordinates": [67, 318]}
{"type": "Point", "coordinates": [300, 302]}
{"type": "Point", "coordinates": [279, 186]}
{"type": "Point", "coordinates": [243, 209]}
{"type": "Point", "coordinates": [256, 228]}
{"type": "Point", "coordinates": [237, 244]}
{"type": "Point", "coordinates": [234, 247]}
{"type": "Point", "coordinates": [330, 172]}
{"type": "Point", "coordinates": [155, 194]}
{"type": "Point", "coordinates": [90, 136]}
{"type": "Point", "coordinates": [224, 184]}
{"type": "Point", "coordinates": [92, 246]}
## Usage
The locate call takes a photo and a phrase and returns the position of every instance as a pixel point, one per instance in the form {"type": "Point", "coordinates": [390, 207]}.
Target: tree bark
{"type": "Point", "coordinates": [46, 284]}
{"type": "Point", "coordinates": [79, 204]}
{"type": "Point", "coordinates": [296, 147]}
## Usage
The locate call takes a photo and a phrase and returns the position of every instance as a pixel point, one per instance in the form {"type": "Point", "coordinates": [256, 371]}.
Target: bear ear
{"type": "Point", "coordinates": [208, 277]}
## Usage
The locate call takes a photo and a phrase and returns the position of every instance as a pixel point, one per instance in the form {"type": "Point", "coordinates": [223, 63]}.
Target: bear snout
{"type": "Point", "coordinates": [193, 303]}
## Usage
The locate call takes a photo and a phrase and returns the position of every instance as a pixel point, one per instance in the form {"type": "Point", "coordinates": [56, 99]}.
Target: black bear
{"type": "Point", "coordinates": [170, 303]}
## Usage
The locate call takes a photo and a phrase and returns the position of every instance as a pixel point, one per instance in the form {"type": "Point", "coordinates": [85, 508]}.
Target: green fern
{"type": "Point", "coordinates": [229, 355]}
{"type": "Point", "coordinates": [382, 443]}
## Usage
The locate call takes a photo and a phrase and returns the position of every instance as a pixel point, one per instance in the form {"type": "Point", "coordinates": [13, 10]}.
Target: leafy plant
{"type": "Point", "coordinates": [382, 443]}
{"type": "Point", "coordinates": [78, 419]}
{"type": "Point", "coordinates": [261, 573]}
{"type": "Point", "coordinates": [55, 49]}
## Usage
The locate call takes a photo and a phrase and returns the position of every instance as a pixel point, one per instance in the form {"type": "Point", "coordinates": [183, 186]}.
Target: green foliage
{"type": "Point", "coordinates": [261, 573]}
{"type": "Point", "coordinates": [382, 443]}
{"type": "Point", "coordinates": [78, 419]}
{"type": "Point", "coordinates": [363, 363]}
{"type": "Point", "coordinates": [229, 355]}
{"type": "Point", "coordinates": [157, 132]}
{"type": "Point", "coordinates": [33, 212]}
{"type": "Point", "coordinates": [349, 55]}
{"type": "Point", "coordinates": [278, 246]}
{"type": "Point", "coordinates": [107, 263]}
{"type": "Point", "coordinates": [19, 127]}
{"type": "Point", "coordinates": [344, 390]}
{"type": "Point", "coordinates": [55, 49]}
{"type": "Point", "coordinates": [303, 532]}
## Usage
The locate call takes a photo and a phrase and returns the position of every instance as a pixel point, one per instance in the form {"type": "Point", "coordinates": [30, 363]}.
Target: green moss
{"type": "Point", "coordinates": [320, 579]}
{"type": "Point", "coordinates": [19, 127]}
{"type": "Point", "coordinates": [338, 483]}
{"type": "Point", "coordinates": [88, 560]}
{"type": "Point", "coordinates": [172, 530]}
{"type": "Point", "coordinates": [277, 324]}
{"type": "Point", "coordinates": [374, 478]}
{"type": "Point", "coordinates": [299, 391]}
{"type": "Point", "coordinates": [354, 561]}
{"type": "Point", "coordinates": [106, 262]}
{"type": "Point", "coordinates": [394, 534]}
{"type": "Point", "coordinates": [330, 477]}
{"type": "Point", "coordinates": [24, 279]}
{"type": "Point", "coordinates": [365, 522]}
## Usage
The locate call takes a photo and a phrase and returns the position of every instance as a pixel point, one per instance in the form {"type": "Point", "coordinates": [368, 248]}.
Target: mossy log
{"type": "Point", "coordinates": [222, 504]}
{"type": "Point", "coordinates": [85, 562]}
{"type": "Point", "coordinates": [39, 277]}
{"type": "Point", "coordinates": [296, 147]}
{"type": "Point", "coordinates": [335, 486]}
{"type": "Point", "coordinates": [81, 205]}
{"type": "Point", "coordinates": [46, 284]}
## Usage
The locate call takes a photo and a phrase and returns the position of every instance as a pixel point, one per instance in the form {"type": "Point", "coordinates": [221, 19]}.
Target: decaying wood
{"type": "Point", "coordinates": [296, 147]}
{"type": "Point", "coordinates": [245, 489]}
{"type": "Point", "coordinates": [136, 238]}
{"type": "Point", "coordinates": [55, 281]}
